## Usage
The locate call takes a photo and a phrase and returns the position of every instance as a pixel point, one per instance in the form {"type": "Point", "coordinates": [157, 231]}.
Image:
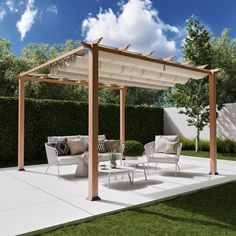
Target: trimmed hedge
{"type": "Point", "coordinates": [49, 117]}
{"type": "Point", "coordinates": [133, 148]}
{"type": "Point", "coordinates": [223, 146]}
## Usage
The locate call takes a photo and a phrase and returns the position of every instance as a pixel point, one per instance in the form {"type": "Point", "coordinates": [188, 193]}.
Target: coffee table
{"type": "Point", "coordinates": [135, 163]}
{"type": "Point", "coordinates": [118, 169]}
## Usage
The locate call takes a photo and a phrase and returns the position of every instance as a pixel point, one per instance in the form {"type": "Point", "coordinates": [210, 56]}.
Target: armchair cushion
{"type": "Point", "coordinates": [62, 148]}
{"type": "Point", "coordinates": [172, 147]}
{"type": "Point", "coordinates": [161, 140]}
{"type": "Point", "coordinates": [69, 159]}
{"type": "Point", "coordinates": [76, 146]}
{"type": "Point", "coordinates": [101, 146]}
{"type": "Point", "coordinates": [111, 145]}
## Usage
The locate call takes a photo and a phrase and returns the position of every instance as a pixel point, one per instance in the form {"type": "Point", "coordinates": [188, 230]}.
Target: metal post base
{"type": "Point", "coordinates": [213, 173]}
{"type": "Point", "coordinates": [93, 198]}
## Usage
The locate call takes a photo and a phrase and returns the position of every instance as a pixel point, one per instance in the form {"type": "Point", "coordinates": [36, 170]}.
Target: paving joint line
{"type": "Point", "coordinates": [50, 194]}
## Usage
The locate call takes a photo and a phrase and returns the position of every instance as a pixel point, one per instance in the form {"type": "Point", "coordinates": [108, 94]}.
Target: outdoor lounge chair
{"type": "Point", "coordinates": [79, 159]}
{"type": "Point", "coordinates": [156, 151]}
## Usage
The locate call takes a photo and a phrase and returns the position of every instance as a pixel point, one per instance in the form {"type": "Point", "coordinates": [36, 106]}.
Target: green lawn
{"type": "Point", "coordinates": [223, 156]}
{"type": "Point", "coordinates": [209, 212]}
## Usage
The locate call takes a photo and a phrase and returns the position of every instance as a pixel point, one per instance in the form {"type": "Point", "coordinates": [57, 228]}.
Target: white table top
{"type": "Point", "coordinates": [118, 169]}
{"type": "Point", "coordinates": [134, 162]}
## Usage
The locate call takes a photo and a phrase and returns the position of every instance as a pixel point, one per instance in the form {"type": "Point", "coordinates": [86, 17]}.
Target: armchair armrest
{"type": "Point", "coordinates": [149, 148]}
{"type": "Point", "coordinates": [52, 155]}
{"type": "Point", "coordinates": [121, 149]}
{"type": "Point", "coordinates": [179, 150]}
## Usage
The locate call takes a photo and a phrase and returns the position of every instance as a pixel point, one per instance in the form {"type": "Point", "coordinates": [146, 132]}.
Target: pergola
{"type": "Point", "coordinates": [99, 66]}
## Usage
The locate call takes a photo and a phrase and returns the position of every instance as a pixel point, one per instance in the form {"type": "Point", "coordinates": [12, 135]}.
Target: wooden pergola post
{"type": "Point", "coordinates": [213, 144]}
{"type": "Point", "coordinates": [122, 114]}
{"type": "Point", "coordinates": [21, 124]}
{"type": "Point", "coordinates": [93, 123]}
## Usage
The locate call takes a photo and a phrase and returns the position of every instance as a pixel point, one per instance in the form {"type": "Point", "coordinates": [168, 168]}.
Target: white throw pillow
{"type": "Point", "coordinates": [160, 144]}
{"type": "Point", "coordinates": [161, 140]}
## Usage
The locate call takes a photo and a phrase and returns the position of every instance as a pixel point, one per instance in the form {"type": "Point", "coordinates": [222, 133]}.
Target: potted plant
{"type": "Point", "coordinates": [133, 149]}
{"type": "Point", "coordinates": [112, 158]}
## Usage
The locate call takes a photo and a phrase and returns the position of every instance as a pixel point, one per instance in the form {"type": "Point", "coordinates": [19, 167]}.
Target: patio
{"type": "Point", "coordinates": [34, 201]}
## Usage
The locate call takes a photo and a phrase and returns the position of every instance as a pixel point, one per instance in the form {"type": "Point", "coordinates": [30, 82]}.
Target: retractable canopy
{"type": "Point", "coordinates": [119, 68]}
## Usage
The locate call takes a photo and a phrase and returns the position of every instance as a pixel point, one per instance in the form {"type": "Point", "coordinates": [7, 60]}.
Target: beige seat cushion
{"type": "Point", "coordinates": [69, 160]}
{"type": "Point", "coordinates": [111, 145]}
{"type": "Point", "coordinates": [163, 155]}
{"type": "Point", "coordinates": [76, 146]}
{"type": "Point", "coordinates": [163, 158]}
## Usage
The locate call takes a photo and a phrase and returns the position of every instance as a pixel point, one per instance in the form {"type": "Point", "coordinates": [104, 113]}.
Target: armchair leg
{"type": "Point", "coordinates": [156, 166]}
{"type": "Point", "coordinates": [47, 169]}
{"type": "Point", "coordinates": [58, 172]}
{"type": "Point", "coordinates": [178, 167]}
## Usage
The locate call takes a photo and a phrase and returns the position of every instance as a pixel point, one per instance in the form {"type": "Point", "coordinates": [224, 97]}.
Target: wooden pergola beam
{"type": "Point", "coordinates": [65, 82]}
{"type": "Point", "coordinates": [93, 123]}
{"type": "Point", "coordinates": [122, 114]}
{"type": "Point", "coordinates": [50, 62]}
{"type": "Point", "coordinates": [150, 59]}
{"type": "Point", "coordinates": [21, 124]}
{"type": "Point", "coordinates": [213, 144]}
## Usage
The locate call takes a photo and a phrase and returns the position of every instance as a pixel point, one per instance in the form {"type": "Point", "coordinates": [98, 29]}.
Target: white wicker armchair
{"type": "Point", "coordinates": [161, 157]}
{"type": "Point", "coordinates": [55, 160]}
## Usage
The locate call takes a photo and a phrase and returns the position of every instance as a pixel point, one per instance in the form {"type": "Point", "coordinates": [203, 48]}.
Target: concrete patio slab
{"type": "Point", "coordinates": [32, 201]}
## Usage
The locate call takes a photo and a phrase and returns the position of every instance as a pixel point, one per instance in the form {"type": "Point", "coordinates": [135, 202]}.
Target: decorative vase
{"type": "Point", "coordinates": [113, 164]}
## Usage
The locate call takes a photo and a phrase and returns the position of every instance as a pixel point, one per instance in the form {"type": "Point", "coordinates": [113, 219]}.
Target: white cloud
{"type": "Point", "coordinates": [52, 9]}
{"type": "Point", "coordinates": [137, 23]}
{"type": "Point", "coordinates": [27, 19]}
{"type": "Point", "coordinates": [2, 14]}
{"type": "Point", "coordinates": [11, 5]}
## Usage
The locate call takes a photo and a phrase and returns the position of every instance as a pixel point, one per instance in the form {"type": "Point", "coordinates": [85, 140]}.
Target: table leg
{"type": "Point", "coordinates": [144, 169]}
{"type": "Point", "coordinates": [109, 179]}
{"type": "Point", "coordinates": [129, 177]}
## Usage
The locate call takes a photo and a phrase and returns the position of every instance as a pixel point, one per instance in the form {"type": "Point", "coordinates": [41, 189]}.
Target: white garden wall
{"type": "Point", "coordinates": [175, 123]}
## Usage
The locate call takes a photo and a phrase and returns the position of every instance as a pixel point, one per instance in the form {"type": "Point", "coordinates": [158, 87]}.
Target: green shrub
{"type": "Point", "coordinates": [204, 145]}
{"type": "Point", "coordinates": [223, 146]}
{"type": "Point", "coordinates": [133, 148]}
{"type": "Point", "coordinates": [45, 118]}
{"type": "Point", "coordinates": [188, 144]}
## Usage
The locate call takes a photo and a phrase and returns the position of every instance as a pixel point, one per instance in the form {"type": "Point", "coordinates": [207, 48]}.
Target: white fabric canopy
{"type": "Point", "coordinates": [124, 71]}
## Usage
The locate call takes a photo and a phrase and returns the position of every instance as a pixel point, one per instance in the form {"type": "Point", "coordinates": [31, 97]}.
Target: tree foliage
{"type": "Point", "coordinates": [224, 57]}
{"type": "Point", "coordinates": [193, 96]}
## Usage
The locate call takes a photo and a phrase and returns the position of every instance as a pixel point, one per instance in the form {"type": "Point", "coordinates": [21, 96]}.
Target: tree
{"type": "Point", "coordinates": [10, 66]}
{"type": "Point", "coordinates": [193, 96]}
{"type": "Point", "coordinates": [224, 57]}
{"type": "Point", "coordinates": [36, 54]}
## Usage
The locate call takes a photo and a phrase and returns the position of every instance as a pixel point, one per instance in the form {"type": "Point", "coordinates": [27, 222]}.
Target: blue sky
{"type": "Point", "coordinates": [147, 25]}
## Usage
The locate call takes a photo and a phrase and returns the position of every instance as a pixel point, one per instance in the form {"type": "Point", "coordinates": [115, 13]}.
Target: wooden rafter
{"type": "Point", "coordinates": [125, 47]}
{"type": "Point", "coordinates": [149, 53]}
{"type": "Point", "coordinates": [202, 66]}
{"type": "Point", "coordinates": [186, 63]}
{"type": "Point", "coordinates": [97, 41]}
{"type": "Point", "coordinates": [170, 58]}
{"type": "Point", "coordinates": [150, 59]}
{"type": "Point", "coordinates": [59, 58]}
